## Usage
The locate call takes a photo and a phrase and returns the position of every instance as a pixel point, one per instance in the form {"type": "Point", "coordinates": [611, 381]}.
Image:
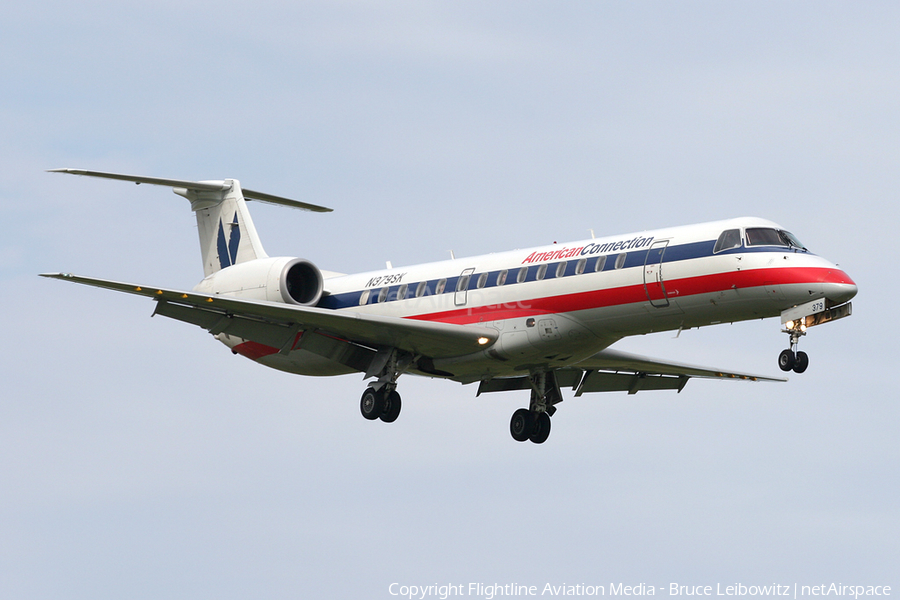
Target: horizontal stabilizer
{"type": "Point", "coordinates": [200, 186]}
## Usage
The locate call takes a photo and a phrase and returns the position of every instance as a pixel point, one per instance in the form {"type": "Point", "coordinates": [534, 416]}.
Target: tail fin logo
{"type": "Point", "coordinates": [228, 245]}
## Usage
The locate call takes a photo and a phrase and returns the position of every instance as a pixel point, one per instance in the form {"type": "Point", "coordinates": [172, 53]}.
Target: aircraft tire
{"type": "Point", "coordinates": [371, 404]}
{"type": "Point", "coordinates": [786, 360]}
{"type": "Point", "coordinates": [801, 362]}
{"type": "Point", "coordinates": [541, 430]}
{"type": "Point", "coordinates": [391, 407]}
{"type": "Point", "coordinates": [521, 424]}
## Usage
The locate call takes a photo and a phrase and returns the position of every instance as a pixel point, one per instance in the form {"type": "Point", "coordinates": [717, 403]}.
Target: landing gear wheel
{"type": "Point", "coordinates": [390, 409]}
{"type": "Point", "coordinates": [801, 361]}
{"type": "Point", "coordinates": [541, 429]}
{"type": "Point", "coordinates": [521, 424]}
{"type": "Point", "coordinates": [786, 360]}
{"type": "Point", "coordinates": [371, 404]}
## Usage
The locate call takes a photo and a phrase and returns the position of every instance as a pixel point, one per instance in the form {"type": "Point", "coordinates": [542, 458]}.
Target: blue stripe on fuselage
{"type": "Point", "coordinates": [633, 259]}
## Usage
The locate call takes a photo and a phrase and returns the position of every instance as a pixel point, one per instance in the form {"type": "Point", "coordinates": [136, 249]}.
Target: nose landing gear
{"type": "Point", "coordinates": [791, 359]}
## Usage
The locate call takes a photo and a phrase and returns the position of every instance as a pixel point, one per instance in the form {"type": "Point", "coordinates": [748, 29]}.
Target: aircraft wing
{"type": "Point", "coordinates": [614, 360]}
{"type": "Point", "coordinates": [612, 370]}
{"type": "Point", "coordinates": [615, 371]}
{"type": "Point", "coordinates": [277, 325]}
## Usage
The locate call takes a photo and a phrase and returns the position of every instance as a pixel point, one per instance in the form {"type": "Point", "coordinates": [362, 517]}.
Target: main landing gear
{"type": "Point", "coordinates": [381, 404]}
{"type": "Point", "coordinates": [791, 359]}
{"type": "Point", "coordinates": [530, 425]}
{"type": "Point", "coordinates": [533, 423]}
{"type": "Point", "coordinates": [381, 400]}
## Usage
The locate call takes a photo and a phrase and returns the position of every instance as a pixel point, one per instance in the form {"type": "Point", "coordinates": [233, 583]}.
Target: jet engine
{"type": "Point", "coordinates": [283, 279]}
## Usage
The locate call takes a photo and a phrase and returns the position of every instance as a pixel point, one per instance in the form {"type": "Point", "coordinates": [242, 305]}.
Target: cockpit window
{"type": "Point", "coordinates": [792, 240]}
{"type": "Point", "coordinates": [767, 236]}
{"type": "Point", "coordinates": [729, 239]}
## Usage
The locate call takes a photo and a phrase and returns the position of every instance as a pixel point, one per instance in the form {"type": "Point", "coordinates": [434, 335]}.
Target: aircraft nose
{"type": "Point", "coordinates": [840, 288]}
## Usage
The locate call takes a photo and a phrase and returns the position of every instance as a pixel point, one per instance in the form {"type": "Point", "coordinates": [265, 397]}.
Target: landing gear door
{"type": "Point", "coordinates": [653, 276]}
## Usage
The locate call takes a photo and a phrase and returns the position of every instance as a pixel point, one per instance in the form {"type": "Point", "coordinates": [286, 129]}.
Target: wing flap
{"type": "Point", "coordinates": [614, 371]}
{"type": "Point", "coordinates": [614, 360]}
{"type": "Point", "coordinates": [269, 320]}
{"type": "Point", "coordinates": [600, 381]}
{"type": "Point", "coordinates": [268, 334]}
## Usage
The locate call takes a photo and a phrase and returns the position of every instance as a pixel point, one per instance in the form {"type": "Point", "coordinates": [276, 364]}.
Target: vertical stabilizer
{"type": "Point", "coordinates": [227, 234]}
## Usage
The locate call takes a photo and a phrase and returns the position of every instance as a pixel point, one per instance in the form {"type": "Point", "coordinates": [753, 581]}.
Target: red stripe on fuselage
{"type": "Point", "coordinates": [675, 288]}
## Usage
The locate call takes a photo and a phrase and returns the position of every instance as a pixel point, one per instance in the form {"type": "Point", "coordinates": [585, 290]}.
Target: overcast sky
{"type": "Point", "coordinates": [141, 459]}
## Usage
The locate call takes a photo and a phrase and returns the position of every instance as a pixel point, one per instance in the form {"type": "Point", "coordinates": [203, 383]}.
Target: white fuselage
{"type": "Point", "coordinates": [555, 305]}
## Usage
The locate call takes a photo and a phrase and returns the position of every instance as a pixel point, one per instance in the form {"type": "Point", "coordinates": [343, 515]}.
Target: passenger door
{"type": "Point", "coordinates": [653, 276]}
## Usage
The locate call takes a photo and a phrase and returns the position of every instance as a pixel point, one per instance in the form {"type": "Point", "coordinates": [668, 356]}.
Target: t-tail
{"type": "Point", "coordinates": [227, 234]}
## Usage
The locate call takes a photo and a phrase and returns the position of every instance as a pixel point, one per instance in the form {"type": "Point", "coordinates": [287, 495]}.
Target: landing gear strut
{"type": "Point", "coordinates": [533, 423]}
{"type": "Point", "coordinates": [791, 359]}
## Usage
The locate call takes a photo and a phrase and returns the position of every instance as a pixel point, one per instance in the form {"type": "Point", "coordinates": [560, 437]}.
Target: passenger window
{"type": "Point", "coordinates": [542, 270]}
{"type": "Point", "coordinates": [523, 273]}
{"type": "Point", "coordinates": [364, 297]}
{"type": "Point", "coordinates": [439, 288]}
{"type": "Point", "coordinates": [382, 295]}
{"type": "Point", "coordinates": [620, 260]}
{"type": "Point", "coordinates": [482, 280]}
{"type": "Point", "coordinates": [601, 262]}
{"type": "Point", "coordinates": [561, 269]}
{"type": "Point", "coordinates": [401, 293]}
{"type": "Point", "coordinates": [501, 277]}
{"type": "Point", "coordinates": [420, 289]}
{"type": "Point", "coordinates": [462, 283]}
{"type": "Point", "coordinates": [729, 239]}
{"type": "Point", "coordinates": [579, 267]}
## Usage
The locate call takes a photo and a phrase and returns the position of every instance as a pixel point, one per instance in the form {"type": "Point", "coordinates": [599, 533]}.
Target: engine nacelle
{"type": "Point", "coordinates": [283, 279]}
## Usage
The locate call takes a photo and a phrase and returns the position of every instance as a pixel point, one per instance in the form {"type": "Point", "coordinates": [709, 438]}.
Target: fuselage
{"type": "Point", "coordinates": [559, 304]}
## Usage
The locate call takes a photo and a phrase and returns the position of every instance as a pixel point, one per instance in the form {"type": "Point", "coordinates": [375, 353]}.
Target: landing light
{"type": "Point", "coordinates": [483, 340]}
{"type": "Point", "coordinates": [789, 325]}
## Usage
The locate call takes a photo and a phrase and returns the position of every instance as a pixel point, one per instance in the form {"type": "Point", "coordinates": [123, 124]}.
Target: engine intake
{"type": "Point", "coordinates": [301, 282]}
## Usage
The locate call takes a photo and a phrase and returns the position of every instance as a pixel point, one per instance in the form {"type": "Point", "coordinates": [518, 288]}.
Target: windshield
{"type": "Point", "coordinates": [792, 240]}
{"type": "Point", "coordinates": [768, 236]}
